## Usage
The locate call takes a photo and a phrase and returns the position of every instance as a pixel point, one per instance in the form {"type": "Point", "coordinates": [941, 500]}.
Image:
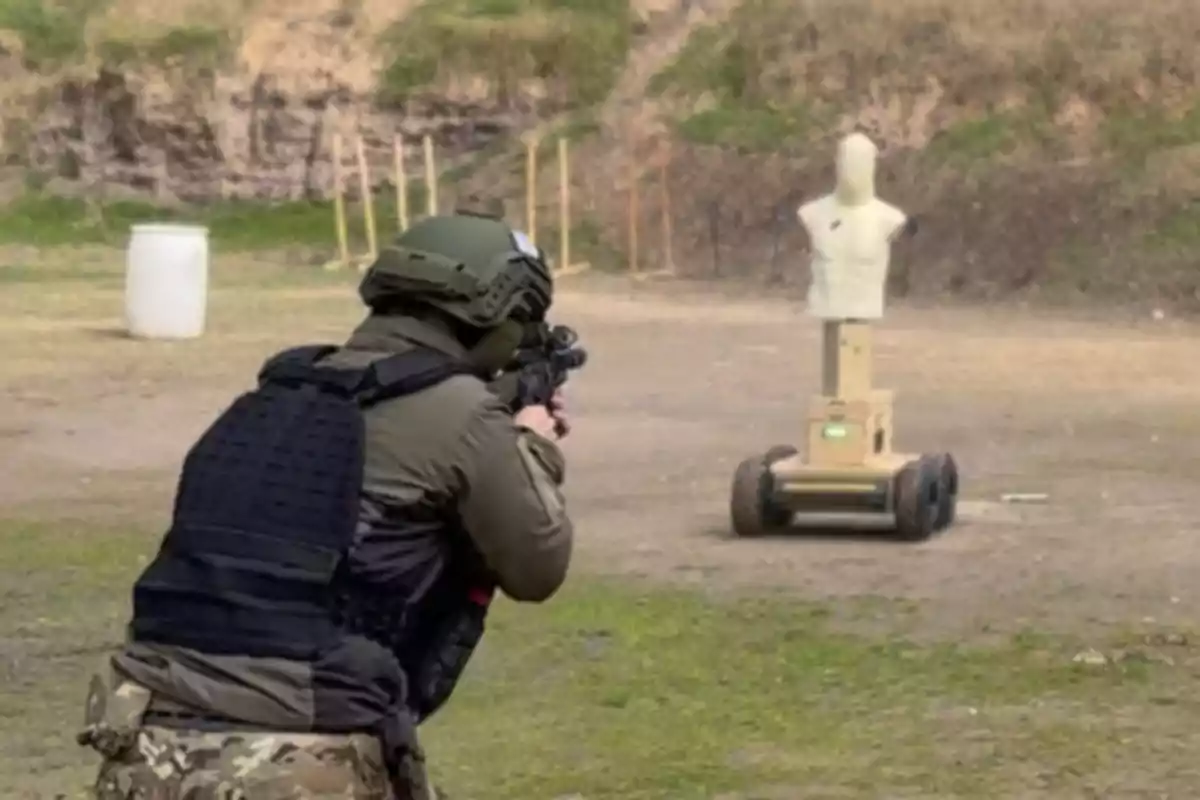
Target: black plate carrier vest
{"type": "Point", "coordinates": [267, 507]}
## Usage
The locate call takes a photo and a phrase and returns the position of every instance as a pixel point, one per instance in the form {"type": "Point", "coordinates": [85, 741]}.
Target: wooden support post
{"type": "Point", "coordinates": [368, 197]}
{"type": "Point", "coordinates": [667, 227]}
{"type": "Point", "coordinates": [401, 184]}
{"type": "Point", "coordinates": [431, 187]}
{"type": "Point", "coordinates": [634, 266]}
{"type": "Point", "coordinates": [564, 206]}
{"type": "Point", "coordinates": [339, 202]}
{"type": "Point", "coordinates": [531, 148]}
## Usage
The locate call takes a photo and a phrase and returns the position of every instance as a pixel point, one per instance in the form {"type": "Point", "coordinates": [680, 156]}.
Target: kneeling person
{"type": "Point", "coordinates": [338, 534]}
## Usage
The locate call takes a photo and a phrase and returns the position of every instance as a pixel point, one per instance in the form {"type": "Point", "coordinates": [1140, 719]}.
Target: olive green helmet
{"type": "Point", "coordinates": [476, 269]}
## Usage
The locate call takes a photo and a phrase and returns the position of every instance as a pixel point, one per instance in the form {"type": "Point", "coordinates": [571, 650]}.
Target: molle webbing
{"type": "Point", "coordinates": [267, 507]}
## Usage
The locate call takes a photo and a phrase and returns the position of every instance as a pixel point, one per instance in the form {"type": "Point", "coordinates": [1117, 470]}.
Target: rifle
{"type": "Point", "coordinates": [541, 364]}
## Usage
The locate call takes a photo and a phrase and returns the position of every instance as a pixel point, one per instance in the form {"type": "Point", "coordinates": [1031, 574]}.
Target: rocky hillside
{"type": "Point", "coordinates": [203, 99]}
{"type": "Point", "coordinates": [1049, 146]}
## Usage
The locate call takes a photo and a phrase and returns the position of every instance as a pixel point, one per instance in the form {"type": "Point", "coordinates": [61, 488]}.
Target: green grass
{"type": "Point", "coordinates": [735, 61]}
{"type": "Point", "coordinates": [51, 33]}
{"type": "Point", "coordinates": [1135, 133]}
{"type": "Point", "coordinates": [509, 152]}
{"type": "Point", "coordinates": [989, 138]}
{"type": "Point", "coordinates": [576, 47]}
{"type": "Point", "coordinates": [45, 221]}
{"type": "Point", "coordinates": [1179, 230]}
{"type": "Point", "coordinates": [1154, 260]}
{"type": "Point", "coordinates": [706, 63]}
{"type": "Point", "coordinates": [573, 127]}
{"type": "Point", "coordinates": [618, 690]}
{"type": "Point", "coordinates": [748, 114]}
{"type": "Point", "coordinates": [587, 243]}
{"type": "Point", "coordinates": [841, 57]}
{"type": "Point", "coordinates": [197, 46]}
{"type": "Point", "coordinates": [977, 139]}
{"type": "Point", "coordinates": [747, 129]}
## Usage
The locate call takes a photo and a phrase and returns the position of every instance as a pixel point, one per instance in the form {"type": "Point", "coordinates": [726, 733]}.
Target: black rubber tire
{"type": "Point", "coordinates": [947, 490]}
{"type": "Point", "coordinates": [751, 512]}
{"type": "Point", "coordinates": [778, 453]}
{"type": "Point", "coordinates": [776, 518]}
{"type": "Point", "coordinates": [916, 503]}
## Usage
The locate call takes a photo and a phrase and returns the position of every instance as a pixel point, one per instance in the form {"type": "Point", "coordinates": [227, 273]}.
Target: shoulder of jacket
{"type": "Point", "coordinates": [456, 398]}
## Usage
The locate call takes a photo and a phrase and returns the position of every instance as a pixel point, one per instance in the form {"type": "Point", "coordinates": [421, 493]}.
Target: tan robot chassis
{"type": "Point", "coordinates": [849, 469]}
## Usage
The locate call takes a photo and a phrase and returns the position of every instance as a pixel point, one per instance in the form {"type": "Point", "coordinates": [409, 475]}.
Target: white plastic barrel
{"type": "Point", "coordinates": [166, 281]}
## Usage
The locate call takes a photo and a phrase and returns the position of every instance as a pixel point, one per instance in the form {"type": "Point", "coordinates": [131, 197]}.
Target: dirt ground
{"type": "Point", "coordinates": [682, 384]}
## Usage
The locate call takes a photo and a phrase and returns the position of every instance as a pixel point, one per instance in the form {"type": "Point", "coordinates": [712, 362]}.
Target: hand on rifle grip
{"type": "Point", "coordinates": [558, 410]}
{"type": "Point", "coordinates": [549, 420]}
{"type": "Point", "coordinates": [539, 420]}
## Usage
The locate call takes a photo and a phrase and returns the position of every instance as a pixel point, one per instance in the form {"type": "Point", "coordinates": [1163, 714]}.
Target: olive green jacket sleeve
{"type": "Point", "coordinates": [511, 503]}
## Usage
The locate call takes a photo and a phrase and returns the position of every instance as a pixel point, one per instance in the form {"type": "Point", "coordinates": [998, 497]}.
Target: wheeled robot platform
{"type": "Point", "coordinates": [917, 495]}
{"type": "Point", "coordinates": [850, 476]}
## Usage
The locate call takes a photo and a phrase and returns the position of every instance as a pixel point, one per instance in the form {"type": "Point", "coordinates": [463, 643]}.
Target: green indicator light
{"type": "Point", "coordinates": [834, 432]}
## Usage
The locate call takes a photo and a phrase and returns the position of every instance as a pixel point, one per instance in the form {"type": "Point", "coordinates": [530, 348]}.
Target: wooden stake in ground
{"type": "Point", "coordinates": [368, 198]}
{"type": "Point", "coordinates": [431, 187]}
{"type": "Point", "coordinates": [633, 221]}
{"type": "Point", "coordinates": [401, 184]}
{"type": "Point", "coordinates": [667, 234]}
{"type": "Point", "coordinates": [339, 202]}
{"type": "Point", "coordinates": [531, 148]}
{"type": "Point", "coordinates": [564, 206]}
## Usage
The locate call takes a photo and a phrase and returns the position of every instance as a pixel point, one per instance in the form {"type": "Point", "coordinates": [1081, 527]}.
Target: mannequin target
{"type": "Point", "coordinates": [849, 468]}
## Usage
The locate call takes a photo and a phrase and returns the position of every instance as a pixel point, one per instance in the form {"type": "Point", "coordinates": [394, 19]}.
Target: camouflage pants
{"type": "Point", "coordinates": [169, 764]}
